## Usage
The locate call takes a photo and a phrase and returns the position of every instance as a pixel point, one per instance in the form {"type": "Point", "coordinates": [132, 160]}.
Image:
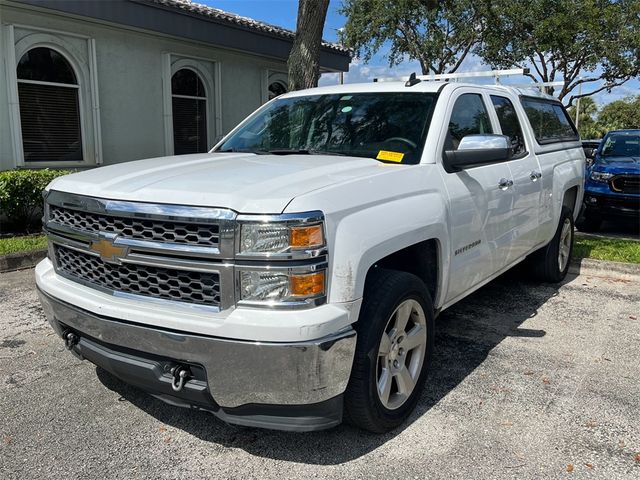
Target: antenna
{"type": "Point", "coordinates": [412, 80]}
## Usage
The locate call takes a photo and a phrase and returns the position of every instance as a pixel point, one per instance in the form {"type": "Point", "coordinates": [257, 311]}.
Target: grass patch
{"type": "Point", "coordinates": [27, 243]}
{"type": "Point", "coordinates": [610, 249]}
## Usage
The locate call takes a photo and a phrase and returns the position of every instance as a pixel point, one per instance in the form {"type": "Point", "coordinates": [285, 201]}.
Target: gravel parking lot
{"type": "Point", "coordinates": [528, 381]}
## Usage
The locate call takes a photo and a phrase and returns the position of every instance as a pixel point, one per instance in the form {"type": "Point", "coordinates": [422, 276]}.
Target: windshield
{"type": "Point", "coordinates": [621, 145]}
{"type": "Point", "coordinates": [388, 126]}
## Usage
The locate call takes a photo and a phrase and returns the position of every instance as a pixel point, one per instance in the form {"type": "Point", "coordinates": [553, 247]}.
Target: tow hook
{"type": "Point", "coordinates": [70, 339]}
{"type": "Point", "coordinates": [179, 374]}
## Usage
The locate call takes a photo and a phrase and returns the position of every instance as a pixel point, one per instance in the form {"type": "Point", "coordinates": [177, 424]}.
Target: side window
{"type": "Point", "coordinates": [549, 121]}
{"type": "Point", "coordinates": [468, 117]}
{"type": "Point", "coordinates": [509, 122]}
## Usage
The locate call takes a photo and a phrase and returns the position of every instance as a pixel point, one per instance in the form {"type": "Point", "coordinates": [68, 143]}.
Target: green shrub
{"type": "Point", "coordinates": [21, 194]}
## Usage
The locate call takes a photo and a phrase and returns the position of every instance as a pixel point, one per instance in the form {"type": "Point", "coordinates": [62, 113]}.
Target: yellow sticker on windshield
{"type": "Point", "coordinates": [390, 156]}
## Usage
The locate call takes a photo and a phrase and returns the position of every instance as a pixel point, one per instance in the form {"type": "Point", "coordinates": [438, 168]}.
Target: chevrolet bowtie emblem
{"type": "Point", "coordinates": [108, 251]}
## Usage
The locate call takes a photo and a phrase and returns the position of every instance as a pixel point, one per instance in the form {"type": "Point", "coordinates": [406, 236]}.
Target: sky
{"type": "Point", "coordinates": [284, 12]}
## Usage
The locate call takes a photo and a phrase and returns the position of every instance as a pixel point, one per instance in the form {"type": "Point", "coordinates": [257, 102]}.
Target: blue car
{"type": "Point", "coordinates": [612, 186]}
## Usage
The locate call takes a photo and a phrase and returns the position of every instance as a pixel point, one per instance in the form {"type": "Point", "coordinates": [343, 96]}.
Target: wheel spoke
{"type": "Point", "coordinates": [416, 337]}
{"type": "Point", "coordinates": [402, 316]}
{"type": "Point", "coordinates": [384, 386]}
{"type": "Point", "coordinates": [404, 381]}
{"type": "Point", "coordinates": [385, 345]}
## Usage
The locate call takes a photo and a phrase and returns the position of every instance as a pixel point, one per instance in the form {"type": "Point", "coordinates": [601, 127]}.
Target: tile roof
{"type": "Point", "coordinates": [217, 14]}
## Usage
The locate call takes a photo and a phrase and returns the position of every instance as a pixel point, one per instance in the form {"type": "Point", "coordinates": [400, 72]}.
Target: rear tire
{"type": "Point", "coordinates": [393, 351]}
{"type": "Point", "coordinates": [551, 263]}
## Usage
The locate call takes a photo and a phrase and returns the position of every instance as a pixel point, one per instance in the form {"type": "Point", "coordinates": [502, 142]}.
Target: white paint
{"type": "Point", "coordinates": [371, 209]}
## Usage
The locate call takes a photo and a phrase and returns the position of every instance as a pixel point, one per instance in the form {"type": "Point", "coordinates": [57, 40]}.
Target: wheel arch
{"type": "Point", "coordinates": [391, 234]}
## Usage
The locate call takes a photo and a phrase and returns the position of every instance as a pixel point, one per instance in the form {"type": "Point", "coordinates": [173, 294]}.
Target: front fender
{"type": "Point", "coordinates": [364, 237]}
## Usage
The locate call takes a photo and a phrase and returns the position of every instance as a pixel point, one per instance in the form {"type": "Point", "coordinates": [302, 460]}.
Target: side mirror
{"type": "Point", "coordinates": [590, 153]}
{"type": "Point", "coordinates": [476, 150]}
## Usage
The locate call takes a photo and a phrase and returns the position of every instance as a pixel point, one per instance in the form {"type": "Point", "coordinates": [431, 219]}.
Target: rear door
{"type": "Point", "coordinates": [522, 230]}
{"type": "Point", "coordinates": [479, 207]}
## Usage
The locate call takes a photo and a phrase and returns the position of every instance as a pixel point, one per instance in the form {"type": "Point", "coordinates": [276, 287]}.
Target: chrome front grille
{"type": "Point", "coordinates": [626, 184]}
{"type": "Point", "coordinates": [201, 288]}
{"type": "Point", "coordinates": [204, 235]}
{"type": "Point", "coordinates": [156, 251]}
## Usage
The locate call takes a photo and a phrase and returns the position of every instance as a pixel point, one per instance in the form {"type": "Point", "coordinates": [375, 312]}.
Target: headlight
{"type": "Point", "coordinates": [281, 234]}
{"type": "Point", "coordinates": [601, 176]}
{"type": "Point", "coordinates": [283, 287]}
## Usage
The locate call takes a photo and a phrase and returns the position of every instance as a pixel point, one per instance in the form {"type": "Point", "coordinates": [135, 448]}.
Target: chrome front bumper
{"type": "Point", "coordinates": [292, 386]}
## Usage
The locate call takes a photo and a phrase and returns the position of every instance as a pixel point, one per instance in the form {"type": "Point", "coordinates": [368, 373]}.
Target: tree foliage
{"type": "Point", "coordinates": [623, 113]}
{"type": "Point", "coordinates": [438, 34]}
{"type": "Point", "coordinates": [304, 59]}
{"type": "Point", "coordinates": [595, 122]}
{"type": "Point", "coordinates": [588, 125]}
{"type": "Point", "coordinates": [593, 43]}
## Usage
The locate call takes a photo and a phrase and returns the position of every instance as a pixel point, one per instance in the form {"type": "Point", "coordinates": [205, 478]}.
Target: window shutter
{"type": "Point", "coordinates": [50, 118]}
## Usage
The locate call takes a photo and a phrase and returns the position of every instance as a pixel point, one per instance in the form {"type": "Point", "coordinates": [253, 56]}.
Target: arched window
{"type": "Point", "coordinates": [189, 100]}
{"type": "Point", "coordinates": [49, 107]}
{"type": "Point", "coordinates": [276, 89]}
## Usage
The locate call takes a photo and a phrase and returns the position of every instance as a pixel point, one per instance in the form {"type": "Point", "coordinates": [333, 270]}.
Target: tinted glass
{"type": "Point", "coordinates": [50, 122]}
{"type": "Point", "coordinates": [187, 82]}
{"type": "Point", "coordinates": [45, 65]}
{"type": "Point", "coordinates": [621, 145]}
{"type": "Point", "coordinates": [276, 89]}
{"type": "Point", "coordinates": [549, 121]}
{"type": "Point", "coordinates": [509, 122]}
{"type": "Point", "coordinates": [189, 125]}
{"type": "Point", "coordinates": [468, 117]}
{"type": "Point", "coordinates": [357, 124]}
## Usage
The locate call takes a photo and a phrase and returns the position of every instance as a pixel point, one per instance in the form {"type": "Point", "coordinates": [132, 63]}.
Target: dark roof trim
{"type": "Point", "coordinates": [194, 22]}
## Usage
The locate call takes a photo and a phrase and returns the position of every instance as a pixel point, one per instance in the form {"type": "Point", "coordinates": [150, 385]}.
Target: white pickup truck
{"type": "Point", "coordinates": [292, 275]}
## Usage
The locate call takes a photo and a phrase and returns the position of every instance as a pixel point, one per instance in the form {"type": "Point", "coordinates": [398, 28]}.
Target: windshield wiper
{"type": "Point", "coordinates": [304, 151]}
{"type": "Point", "coordinates": [289, 151]}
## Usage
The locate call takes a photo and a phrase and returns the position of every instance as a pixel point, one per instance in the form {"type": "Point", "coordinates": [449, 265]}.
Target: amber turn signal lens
{"type": "Point", "coordinates": [308, 285]}
{"type": "Point", "coordinates": [307, 237]}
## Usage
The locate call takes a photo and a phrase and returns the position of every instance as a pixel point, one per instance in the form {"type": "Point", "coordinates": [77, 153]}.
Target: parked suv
{"type": "Point", "coordinates": [294, 273]}
{"type": "Point", "coordinates": [612, 186]}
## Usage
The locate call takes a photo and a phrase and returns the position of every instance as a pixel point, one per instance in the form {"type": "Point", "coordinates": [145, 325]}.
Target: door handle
{"type": "Point", "coordinates": [535, 176]}
{"type": "Point", "coordinates": [504, 184]}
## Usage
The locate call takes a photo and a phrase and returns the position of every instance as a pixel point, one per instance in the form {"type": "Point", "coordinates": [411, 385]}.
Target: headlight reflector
{"type": "Point", "coordinates": [264, 238]}
{"type": "Point", "coordinates": [601, 176]}
{"type": "Point", "coordinates": [281, 287]}
{"type": "Point", "coordinates": [278, 236]}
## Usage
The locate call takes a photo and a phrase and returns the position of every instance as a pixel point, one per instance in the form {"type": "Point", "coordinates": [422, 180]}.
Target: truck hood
{"type": "Point", "coordinates": [618, 164]}
{"type": "Point", "coordinates": [243, 182]}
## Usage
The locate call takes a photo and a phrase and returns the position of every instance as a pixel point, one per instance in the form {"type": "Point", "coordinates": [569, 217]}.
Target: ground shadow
{"type": "Point", "coordinates": [466, 333]}
{"type": "Point", "coordinates": [618, 227]}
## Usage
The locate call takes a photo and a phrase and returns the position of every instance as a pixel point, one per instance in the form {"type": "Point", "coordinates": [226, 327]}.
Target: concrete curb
{"type": "Point", "coordinates": [18, 261]}
{"type": "Point", "coordinates": [601, 268]}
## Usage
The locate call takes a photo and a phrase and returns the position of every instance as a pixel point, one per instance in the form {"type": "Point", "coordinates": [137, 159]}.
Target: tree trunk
{"type": "Point", "coordinates": [304, 59]}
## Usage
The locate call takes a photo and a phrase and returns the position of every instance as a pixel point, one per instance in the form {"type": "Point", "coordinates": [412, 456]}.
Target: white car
{"type": "Point", "coordinates": [291, 277]}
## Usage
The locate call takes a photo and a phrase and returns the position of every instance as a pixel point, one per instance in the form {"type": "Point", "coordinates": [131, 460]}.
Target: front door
{"type": "Point", "coordinates": [480, 208]}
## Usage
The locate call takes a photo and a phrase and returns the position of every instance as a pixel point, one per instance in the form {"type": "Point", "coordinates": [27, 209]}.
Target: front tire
{"type": "Point", "coordinates": [393, 351]}
{"type": "Point", "coordinates": [551, 263]}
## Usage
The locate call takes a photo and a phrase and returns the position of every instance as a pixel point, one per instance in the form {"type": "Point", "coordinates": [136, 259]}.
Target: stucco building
{"type": "Point", "coordinates": [85, 83]}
